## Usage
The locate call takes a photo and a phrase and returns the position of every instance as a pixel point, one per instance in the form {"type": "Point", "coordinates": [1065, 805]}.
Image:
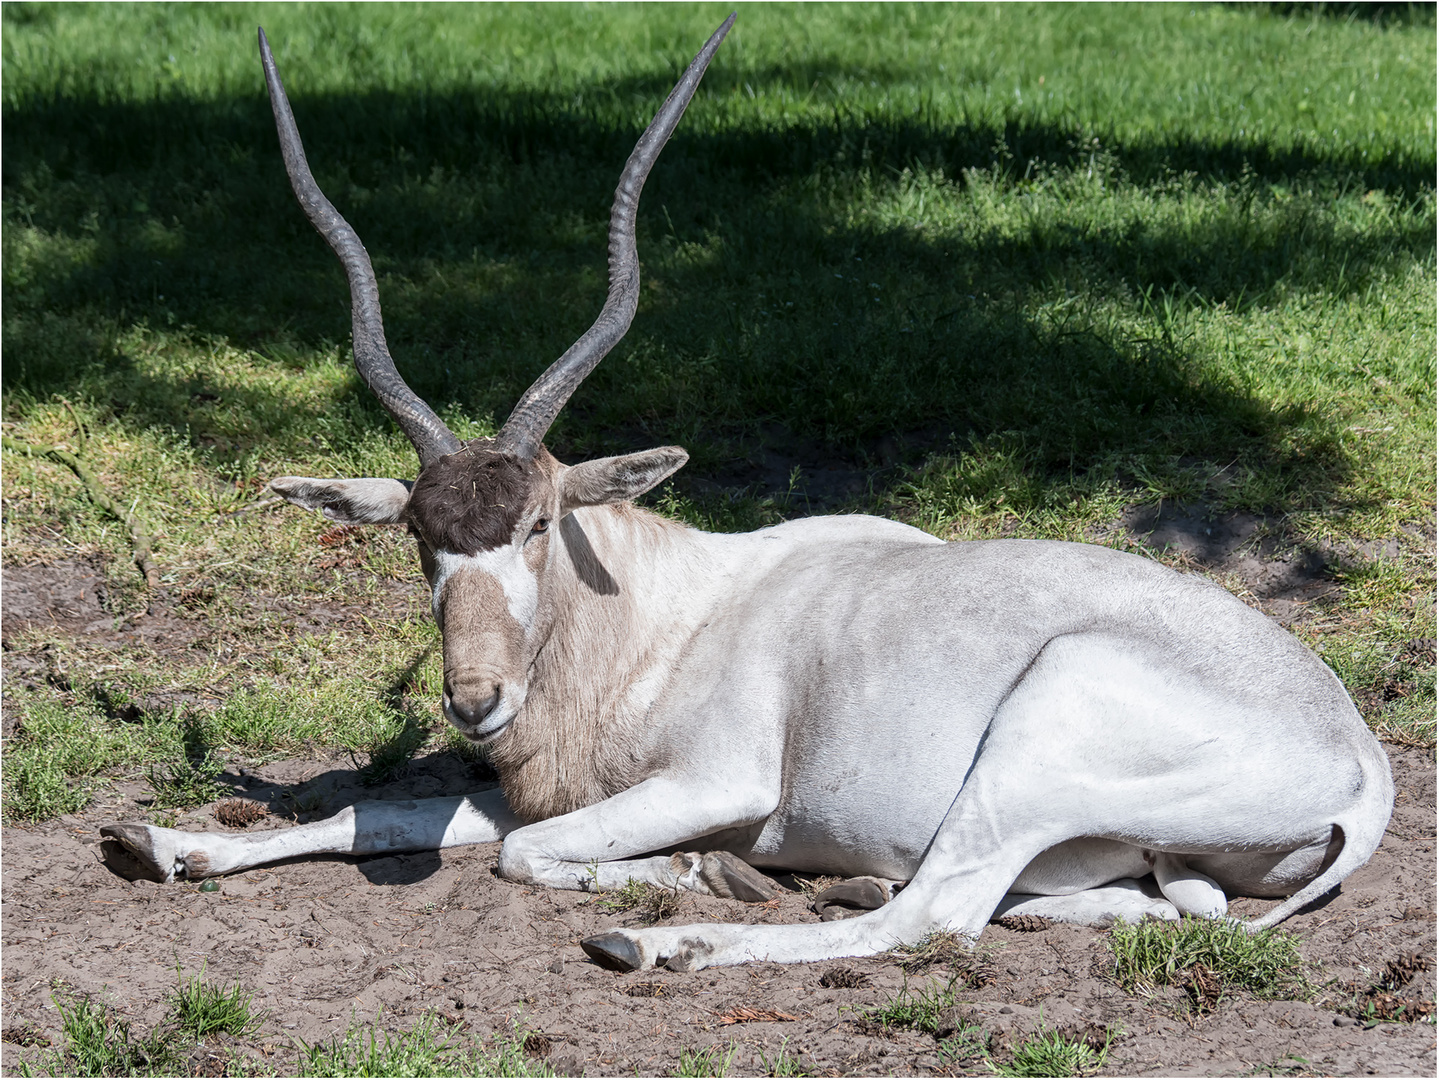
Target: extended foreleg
{"type": "Point", "coordinates": [367, 828]}
{"type": "Point", "coordinates": [593, 848]}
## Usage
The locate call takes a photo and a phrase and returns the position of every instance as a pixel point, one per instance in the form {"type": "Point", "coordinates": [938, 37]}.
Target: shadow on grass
{"type": "Point", "coordinates": [389, 758]}
{"type": "Point", "coordinates": [485, 216]}
{"type": "Point", "coordinates": [1379, 12]}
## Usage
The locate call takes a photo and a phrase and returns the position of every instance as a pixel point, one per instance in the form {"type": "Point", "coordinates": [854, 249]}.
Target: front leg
{"type": "Point", "coordinates": [592, 848]}
{"type": "Point", "coordinates": [367, 828]}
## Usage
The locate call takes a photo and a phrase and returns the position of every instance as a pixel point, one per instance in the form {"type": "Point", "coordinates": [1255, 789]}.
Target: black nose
{"type": "Point", "coordinates": [471, 705]}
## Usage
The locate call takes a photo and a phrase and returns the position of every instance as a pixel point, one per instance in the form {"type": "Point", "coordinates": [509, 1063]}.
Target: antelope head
{"type": "Point", "coordinates": [483, 512]}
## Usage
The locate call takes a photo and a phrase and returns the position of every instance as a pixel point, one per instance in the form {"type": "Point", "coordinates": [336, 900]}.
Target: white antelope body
{"type": "Point", "coordinates": [1005, 726]}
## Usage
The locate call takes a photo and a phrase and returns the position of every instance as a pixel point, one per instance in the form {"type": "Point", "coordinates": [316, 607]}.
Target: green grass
{"type": "Point", "coordinates": [96, 1041]}
{"type": "Point", "coordinates": [712, 1060]}
{"type": "Point", "coordinates": [200, 1008]}
{"type": "Point", "coordinates": [427, 1049]}
{"type": "Point", "coordinates": [782, 1062]}
{"type": "Point", "coordinates": [925, 1010]}
{"type": "Point", "coordinates": [1212, 958]}
{"type": "Point", "coordinates": [1288, 1065]}
{"type": "Point", "coordinates": [99, 1043]}
{"type": "Point", "coordinates": [960, 1051]}
{"type": "Point", "coordinates": [61, 747]}
{"type": "Point", "coordinates": [1049, 1052]}
{"type": "Point", "coordinates": [1032, 264]}
{"type": "Point", "coordinates": [67, 741]}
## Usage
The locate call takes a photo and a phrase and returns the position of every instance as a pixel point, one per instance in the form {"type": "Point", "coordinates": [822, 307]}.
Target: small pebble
{"type": "Point", "coordinates": [210, 886]}
{"type": "Point", "coordinates": [557, 967]}
{"type": "Point", "coordinates": [1006, 1010]}
{"type": "Point", "coordinates": [1344, 1021]}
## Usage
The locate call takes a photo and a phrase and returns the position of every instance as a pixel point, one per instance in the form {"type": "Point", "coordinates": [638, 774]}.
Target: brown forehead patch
{"type": "Point", "coordinates": [471, 501]}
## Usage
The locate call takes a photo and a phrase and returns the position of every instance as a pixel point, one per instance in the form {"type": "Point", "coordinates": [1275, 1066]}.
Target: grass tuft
{"type": "Point", "coordinates": [192, 781]}
{"type": "Point", "coordinates": [651, 903]}
{"type": "Point", "coordinates": [971, 967]}
{"type": "Point", "coordinates": [38, 786]}
{"type": "Point", "coordinates": [430, 1048]}
{"type": "Point", "coordinates": [1209, 957]}
{"type": "Point", "coordinates": [201, 1008]}
{"type": "Point", "coordinates": [959, 1051]}
{"type": "Point", "coordinates": [1050, 1052]}
{"type": "Point", "coordinates": [783, 1063]}
{"type": "Point", "coordinates": [712, 1060]}
{"type": "Point", "coordinates": [97, 1042]}
{"type": "Point", "coordinates": [924, 1011]}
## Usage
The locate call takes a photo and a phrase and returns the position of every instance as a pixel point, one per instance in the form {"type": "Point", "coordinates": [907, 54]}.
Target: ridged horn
{"type": "Point", "coordinates": [431, 438]}
{"type": "Point", "coordinates": [525, 430]}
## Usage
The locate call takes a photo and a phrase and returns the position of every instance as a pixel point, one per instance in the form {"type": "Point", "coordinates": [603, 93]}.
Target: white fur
{"type": "Point", "coordinates": [506, 564]}
{"type": "Point", "coordinates": [849, 696]}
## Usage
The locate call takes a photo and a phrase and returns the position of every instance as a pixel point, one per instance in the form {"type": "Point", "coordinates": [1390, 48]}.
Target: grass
{"type": "Point", "coordinates": [192, 781]}
{"type": "Point", "coordinates": [1288, 1065]}
{"type": "Point", "coordinates": [961, 1050]}
{"type": "Point", "coordinates": [712, 1060]}
{"type": "Point", "coordinates": [953, 248]}
{"type": "Point", "coordinates": [99, 1043]}
{"type": "Point", "coordinates": [652, 903]}
{"type": "Point", "coordinates": [1049, 1052]}
{"type": "Point", "coordinates": [971, 967]}
{"type": "Point", "coordinates": [427, 1049]}
{"type": "Point", "coordinates": [782, 1062]}
{"type": "Point", "coordinates": [1046, 1052]}
{"type": "Point", "coordinates": [201, 1009]}
{"type": "Point", "coordinates": [1210, 958]}
{"type": "Point", "coordinates": [924, 1011]}
{"type": "Point", "coordinates": [96, 1041]}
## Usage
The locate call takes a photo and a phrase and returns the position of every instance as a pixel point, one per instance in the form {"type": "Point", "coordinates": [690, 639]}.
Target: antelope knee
{"type": "Point", "coordinates": [518, 861]}
{"type": "Point", "coordinates": [524, 863]}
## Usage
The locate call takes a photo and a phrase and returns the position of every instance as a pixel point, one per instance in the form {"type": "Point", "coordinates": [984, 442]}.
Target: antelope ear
{"type": "Point", "coordinates": [351, 502]}
{"type": "Point", "coordinates": [615, 479]}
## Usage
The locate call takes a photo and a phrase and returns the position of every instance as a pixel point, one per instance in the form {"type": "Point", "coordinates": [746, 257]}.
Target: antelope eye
{"type": "Point", "coordinates": [541, 525]}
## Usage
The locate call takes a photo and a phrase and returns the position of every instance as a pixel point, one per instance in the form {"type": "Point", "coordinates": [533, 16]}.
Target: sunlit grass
{"type": "Point", "coordinates": [1151, 954]}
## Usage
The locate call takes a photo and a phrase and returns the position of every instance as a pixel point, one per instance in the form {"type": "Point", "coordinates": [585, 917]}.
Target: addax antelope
{"type": "Point", "coordinates": [1001, 726]}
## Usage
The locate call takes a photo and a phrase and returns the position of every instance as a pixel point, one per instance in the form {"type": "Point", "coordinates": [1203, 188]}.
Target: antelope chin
{"type": "Point", "coordinates": [489, 732]}
{"type": "Point", "coordinates": [491, 728]}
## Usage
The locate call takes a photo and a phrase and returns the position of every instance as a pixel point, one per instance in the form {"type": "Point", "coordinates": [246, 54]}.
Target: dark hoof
{"type": "Point", "coordinates": [729, 876]}
{"type": "Point", "coordinates": [614, 951]}
{"type": "Point", "coordinates": [127, 850]}
{"type": "Point", "coordinates": [684, 960]}
{"type": "Point", "coordinates": [121, 860]}
{"type": "Point", "coordinates": [849, 898]}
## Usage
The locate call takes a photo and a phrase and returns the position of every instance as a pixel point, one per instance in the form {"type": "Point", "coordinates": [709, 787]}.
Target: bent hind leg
{"type": "Point", "coordinates": [1125, 899]}
{"type": "Point", "coordinates": [1191, 892]}
{"type": "Point", "coordinates": [1102, 737]}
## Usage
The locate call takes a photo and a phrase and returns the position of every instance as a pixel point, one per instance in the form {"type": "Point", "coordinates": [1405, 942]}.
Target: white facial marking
{"type": "Point", "coordinates": [506, 565]}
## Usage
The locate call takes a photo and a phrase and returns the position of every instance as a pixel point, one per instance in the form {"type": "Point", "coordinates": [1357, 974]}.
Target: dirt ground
{"type": "Point", "coordinates": [329, 941]}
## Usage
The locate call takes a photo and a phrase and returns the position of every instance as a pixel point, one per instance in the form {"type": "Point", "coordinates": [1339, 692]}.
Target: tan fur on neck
{"type": "Point", "coordinates": [580, 736]}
